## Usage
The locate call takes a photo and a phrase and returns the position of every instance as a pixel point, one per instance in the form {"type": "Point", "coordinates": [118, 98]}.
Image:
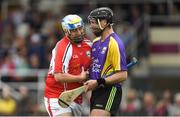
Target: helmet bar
{"type": "Point", "coordinates": [99, 24]}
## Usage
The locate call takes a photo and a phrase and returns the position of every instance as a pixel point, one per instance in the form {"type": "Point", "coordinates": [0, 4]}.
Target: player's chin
{"type": "Point", "coordinates": [95, 29]}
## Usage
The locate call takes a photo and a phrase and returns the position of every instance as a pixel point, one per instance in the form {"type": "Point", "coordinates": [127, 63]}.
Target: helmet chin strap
{"type": "Point", "coordinates": [99, 23]}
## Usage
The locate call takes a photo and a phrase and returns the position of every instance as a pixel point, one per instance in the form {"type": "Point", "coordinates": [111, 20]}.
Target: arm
{"type": "Point", "coordinates": [66, 77]}
{"type": "Point", "coordinates": [61, 56]}
{"type": "Point", "coordinates": [118, 77]}
{"type": "Point", "coordinates": [91, 84]}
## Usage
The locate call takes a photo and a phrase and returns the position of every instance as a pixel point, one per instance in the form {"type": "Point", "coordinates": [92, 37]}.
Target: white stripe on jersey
{"type": "Point", "coordinates": [66, 52]}
{"type": "Point", "coordinates": [51, 67]}
{"type": "Point", "coordinates": [66, 58]}
{"type": "Point", "coordinates": [53, 59]}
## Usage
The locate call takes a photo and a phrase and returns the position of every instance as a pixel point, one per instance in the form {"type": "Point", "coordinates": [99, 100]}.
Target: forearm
{"type": "Point", "coordinates": [66, 77]}
{"type": "Point", "coordinates": [114, 79]}
{"type": "Point", "coordinates": [118, 77]}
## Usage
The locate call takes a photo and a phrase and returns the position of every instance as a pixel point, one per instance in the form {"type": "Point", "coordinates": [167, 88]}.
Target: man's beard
{"type": "Point", "coordinates": [78, 39]}
{"type": "Point", "coordinates": [98, 33]}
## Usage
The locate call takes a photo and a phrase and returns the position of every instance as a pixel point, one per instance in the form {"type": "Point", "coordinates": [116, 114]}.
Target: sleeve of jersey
{"type": "Point", "coordinates": [118, 56]}
{"type": "Point", "coordinates": [63, 53]}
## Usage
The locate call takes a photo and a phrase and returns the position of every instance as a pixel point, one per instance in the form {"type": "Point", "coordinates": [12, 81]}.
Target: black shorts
{"type": "Point", "coordinates": [107, 98]}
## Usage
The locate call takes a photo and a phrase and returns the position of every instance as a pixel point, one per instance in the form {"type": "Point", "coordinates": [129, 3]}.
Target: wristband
{"type": "Point", "coordinates": [101, 82]}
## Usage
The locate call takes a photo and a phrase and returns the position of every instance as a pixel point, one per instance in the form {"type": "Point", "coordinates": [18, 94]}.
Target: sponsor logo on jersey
{"type": "Point", "coordinates": [103, 50]}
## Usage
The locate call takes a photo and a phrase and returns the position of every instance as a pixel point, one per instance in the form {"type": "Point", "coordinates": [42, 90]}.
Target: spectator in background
{"type": "Point", "coordinates": [7, 103]}
{"type": "Point", "coordinates": [148, 107]}
{"type": "Point", "coordinates": [49, 24]}
{"type": "Point", "coordinates": [174, 15]}
{"type": "Point", "coordinates": [132, 105]}
{"type": "Point", "coordinates": [21, 64]}
{"type": "Point", "coordinates": [34, 61]}
{"type": "Point", "coordinates": [33, 17]}
{"type": "Point", "coordinates": [135, 16]}
{"type": "Point", "coordinates": [7, 67]}
{"type": "Point", "coordinates": [24, 104]}
{"type": "Point", "coordinates": [164, 104]}
{"type": "Point", "coordinates": [139, 21]}
{"type": "Point", "coordinates": [161, 11]}
{"type": "Point", "coordinates": [35, 46]}
{"type": "Point", "coordinates": [19, 49]}
{"type": "Point", "coordinates": [127, 34]}
{"type": "Point", "coordinates": [7, 36]}
{"type": "Point", "coordinates": [18, 16]}
{"type": "Point", "coordinates": [20, 59]}
{"type": "Point", "coordinates": [130, 40]}
{"type": "Point", "coordinates": [174, 110]}
{"type": "Point", "coordinates": [161, 109]}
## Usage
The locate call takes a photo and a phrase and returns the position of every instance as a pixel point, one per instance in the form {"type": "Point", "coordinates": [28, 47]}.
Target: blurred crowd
{"type": "Point", "coordinates": [24, 105]}
{"type": "Point", "coordinates": [27, 38]}
{"type": "Point", "coordinates": [149, 104]}
{"type": "Point", "coordinates": [135, 104]}
{"type": "Point", "coordinates": [28, 35]}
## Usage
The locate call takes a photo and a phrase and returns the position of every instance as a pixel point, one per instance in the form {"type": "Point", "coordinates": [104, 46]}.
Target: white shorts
{"type": "Point", "coordinates": [54, 109]}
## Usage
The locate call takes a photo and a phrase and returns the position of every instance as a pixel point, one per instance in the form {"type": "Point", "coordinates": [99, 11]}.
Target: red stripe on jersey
{"type": "Point", "coordinates": [108, 68]}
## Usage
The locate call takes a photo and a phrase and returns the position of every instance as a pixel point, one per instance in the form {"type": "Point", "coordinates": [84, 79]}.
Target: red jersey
{"type": "Point", "coordinates": [67, 58]}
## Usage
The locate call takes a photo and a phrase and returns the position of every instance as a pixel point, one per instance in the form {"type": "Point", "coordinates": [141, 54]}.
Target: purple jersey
{"type": "Point", "coordinates": [108, 56]}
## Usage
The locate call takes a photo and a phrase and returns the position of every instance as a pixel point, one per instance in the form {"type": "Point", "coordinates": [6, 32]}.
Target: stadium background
{"type": "Point", "coordinates": [29, 29]}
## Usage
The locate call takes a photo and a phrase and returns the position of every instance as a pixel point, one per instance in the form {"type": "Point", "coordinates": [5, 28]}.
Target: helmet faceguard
{"type": "Point", "coordinates": [70, 23]}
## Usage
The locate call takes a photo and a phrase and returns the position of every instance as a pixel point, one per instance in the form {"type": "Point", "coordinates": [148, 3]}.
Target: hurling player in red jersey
{"type": "Point", "coordinates": [68, 68]}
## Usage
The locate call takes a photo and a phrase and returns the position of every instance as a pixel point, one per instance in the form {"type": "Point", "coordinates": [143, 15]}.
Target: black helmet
{"type": "Point", "coordinates": [102, 13]}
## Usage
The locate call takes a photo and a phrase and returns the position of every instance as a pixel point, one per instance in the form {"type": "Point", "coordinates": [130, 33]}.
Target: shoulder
{"type": "Point", "coordinates": [63, 43]}
{"type": "Point", "coordinates": [88, 42]}
{"type": "Point", "coordinates": [115, 39]}
{"type": "Point", "coordinates": [96, 39]}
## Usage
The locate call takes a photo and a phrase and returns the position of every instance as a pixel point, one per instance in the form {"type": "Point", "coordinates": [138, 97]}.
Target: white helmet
{"type": "Point", "coordinates": [71, 22]}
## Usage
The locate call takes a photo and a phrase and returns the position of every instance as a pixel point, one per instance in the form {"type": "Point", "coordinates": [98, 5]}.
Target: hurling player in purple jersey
{"type": "Point", "coordinates": [108, 68]}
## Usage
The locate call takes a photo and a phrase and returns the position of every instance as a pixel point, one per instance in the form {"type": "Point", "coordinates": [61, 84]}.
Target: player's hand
{"type": "Point", "coordinates": [90, 85]}
{"type": "Point", "coordinates": [83, 75]}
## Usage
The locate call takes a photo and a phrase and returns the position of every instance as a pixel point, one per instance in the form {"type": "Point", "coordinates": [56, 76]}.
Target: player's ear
{"type": "Point", "coordinates": [66, 33]}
